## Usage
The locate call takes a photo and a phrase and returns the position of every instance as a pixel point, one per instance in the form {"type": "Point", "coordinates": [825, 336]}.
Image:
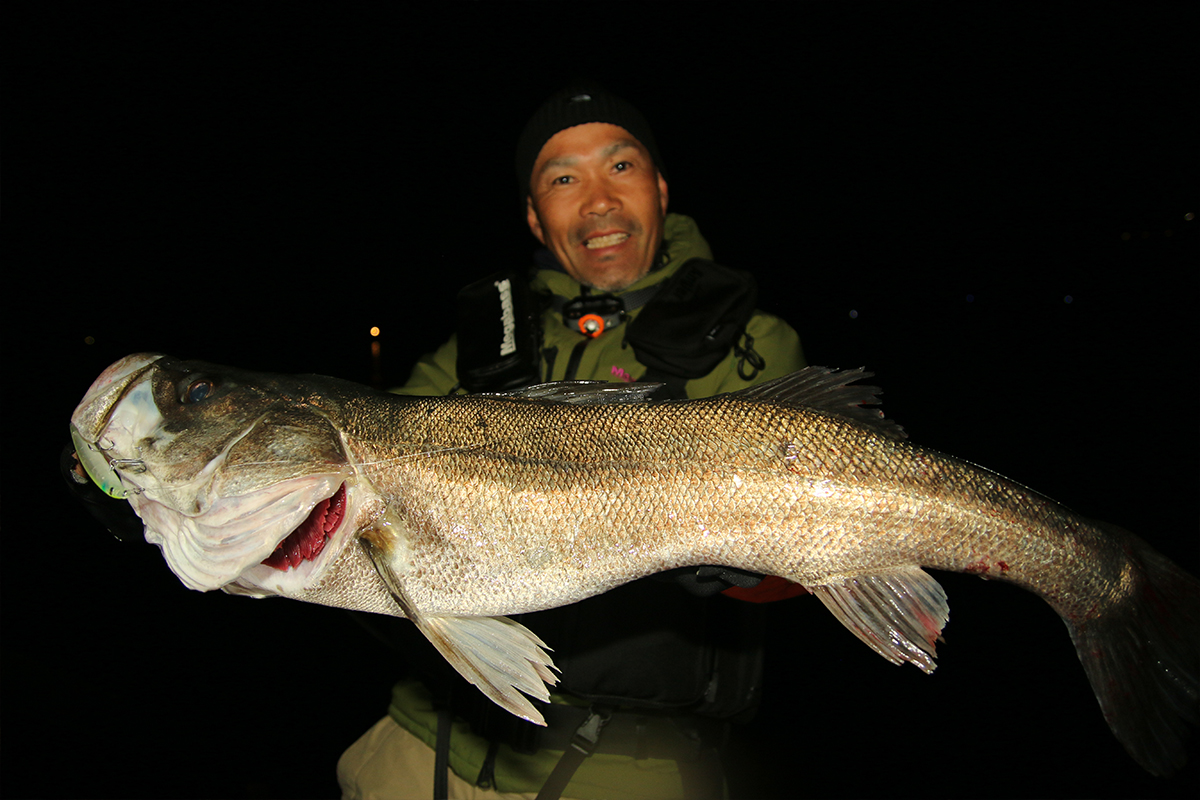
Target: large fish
{"type": "Point", "coordinates": [457, 511]}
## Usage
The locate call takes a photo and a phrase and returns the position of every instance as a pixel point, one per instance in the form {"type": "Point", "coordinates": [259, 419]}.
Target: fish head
{"type": "Point", "coordinates": [241, 478]}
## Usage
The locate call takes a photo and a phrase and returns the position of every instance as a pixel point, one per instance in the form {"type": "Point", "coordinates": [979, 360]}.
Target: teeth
{"type": "Point", "coordinates": [605, 241]}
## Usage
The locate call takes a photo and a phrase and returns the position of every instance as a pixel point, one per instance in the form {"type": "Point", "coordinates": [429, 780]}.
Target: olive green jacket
{"type": "Point", "coordinates": [608, 357]}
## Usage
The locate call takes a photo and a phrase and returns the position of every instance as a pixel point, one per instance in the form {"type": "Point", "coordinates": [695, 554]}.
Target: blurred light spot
{"type": "Point", "coordinates": [375, 331]}
{"type": "Point", "coordinates": [970, 298]}
{"type": "Point", "coordinates": [1189, 216]}
{"type": "Point", "coordinates": [1125, 236]}
{"type": "Point", "coordinates": [1068, 299]}
{"type": "Point", "coordinates": [89, 340]}
{"type": "Point", "coordinates": [853, 314]}
{"type": "Point", "coordinates": [1168, 232]}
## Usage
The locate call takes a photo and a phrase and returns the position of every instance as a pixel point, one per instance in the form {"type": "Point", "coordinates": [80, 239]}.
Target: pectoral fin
{"type": "Point", "coordinates": [501, 657]}
{"type": "Point", "coordinates": [497, 655]}
{"type": "Point", "coordinates": [899, 614]}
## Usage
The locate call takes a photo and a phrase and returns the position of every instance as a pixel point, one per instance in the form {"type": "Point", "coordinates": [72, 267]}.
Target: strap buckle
{"type": "Point", "coordinates": [587, 735]}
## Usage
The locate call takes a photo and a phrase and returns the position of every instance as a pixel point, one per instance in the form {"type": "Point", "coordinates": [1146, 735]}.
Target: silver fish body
{"type": "Point", "coordinates": [457, 511]}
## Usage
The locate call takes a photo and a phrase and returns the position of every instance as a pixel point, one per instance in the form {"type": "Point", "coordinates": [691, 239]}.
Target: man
{"type": "Point", "coordinates": [626, 292]}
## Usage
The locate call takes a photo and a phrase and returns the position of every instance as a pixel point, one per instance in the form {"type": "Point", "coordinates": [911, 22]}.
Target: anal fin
{"type": "Point", "coordinates": [500, 657]}
{"type": "Point", "coordinates": [899, 613]}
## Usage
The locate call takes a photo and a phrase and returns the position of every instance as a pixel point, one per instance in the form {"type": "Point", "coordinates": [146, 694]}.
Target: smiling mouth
{"type": "Point", "coordinates": [606, 241]}
{"type": "Point", "coordinates": [307, 541]}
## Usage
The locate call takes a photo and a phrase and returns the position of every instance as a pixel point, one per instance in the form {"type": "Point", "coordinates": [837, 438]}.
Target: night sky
{"type": "Point", "coordinates": [989, 207]}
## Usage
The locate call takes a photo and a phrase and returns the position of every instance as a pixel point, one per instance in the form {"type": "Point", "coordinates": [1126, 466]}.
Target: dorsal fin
{"type": "Point", "coordinates": [586, 393]}
{"type": "Point", "coordinates": [827, 391]}
{"type": "Point", "coordinates": [824, 390]}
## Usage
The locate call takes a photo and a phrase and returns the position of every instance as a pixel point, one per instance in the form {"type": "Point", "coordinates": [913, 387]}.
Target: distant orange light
{"type": "Point", "coordinates": [374, 331]}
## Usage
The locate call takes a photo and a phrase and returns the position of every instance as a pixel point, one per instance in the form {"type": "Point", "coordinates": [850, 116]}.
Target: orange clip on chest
{"type": "Point", "coordinates": [591, 325]}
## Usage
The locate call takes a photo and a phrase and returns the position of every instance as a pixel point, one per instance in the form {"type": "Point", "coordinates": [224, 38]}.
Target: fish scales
{"type": "Point", "coordinates": [456, 511]}
{"type": "Point", "coordinates": [562, 495]}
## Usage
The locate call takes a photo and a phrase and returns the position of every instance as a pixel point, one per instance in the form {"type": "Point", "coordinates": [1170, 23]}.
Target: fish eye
{"type": "Point", "coordinates": [196, 391]}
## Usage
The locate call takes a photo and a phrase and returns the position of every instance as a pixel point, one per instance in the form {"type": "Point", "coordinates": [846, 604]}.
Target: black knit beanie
{"type": "Point", "coordinates": [578, 105]}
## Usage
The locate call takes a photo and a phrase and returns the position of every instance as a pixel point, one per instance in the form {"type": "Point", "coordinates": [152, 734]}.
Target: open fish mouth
{"type": "Point", "coordinates": [308, 541]}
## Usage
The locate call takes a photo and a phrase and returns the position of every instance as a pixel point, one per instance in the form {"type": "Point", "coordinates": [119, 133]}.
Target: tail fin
{"type": "Point", "coordinates": [1143, 659]}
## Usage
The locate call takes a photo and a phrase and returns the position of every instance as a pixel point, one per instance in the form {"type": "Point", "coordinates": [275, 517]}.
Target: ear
{"type": "Point", "coordinates": [662, 192]}
{"type": "Point", "coordinates": [531, 217]}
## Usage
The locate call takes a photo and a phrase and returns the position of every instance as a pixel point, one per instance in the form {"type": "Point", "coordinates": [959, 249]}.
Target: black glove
{"type": "Point", "coordinates": [705, 581]}
{"type": "Point", "coordinates": [115, 515]}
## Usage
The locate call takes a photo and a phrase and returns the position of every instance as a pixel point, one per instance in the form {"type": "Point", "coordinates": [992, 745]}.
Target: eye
{"type": "Point", "coordinates": [621, 166]}
{"type": "Point", "coordinates": [196, 391]}
{"type": "Point", "coordinates": [561, 180]}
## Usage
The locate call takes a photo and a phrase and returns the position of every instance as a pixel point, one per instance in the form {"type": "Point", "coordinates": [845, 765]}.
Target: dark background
{"type": "Point", "coordinates": [984, 204]}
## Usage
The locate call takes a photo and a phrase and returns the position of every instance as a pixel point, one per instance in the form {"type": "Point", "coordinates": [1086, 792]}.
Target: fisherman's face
{"type": "Point", "coordinates": [597, 202]}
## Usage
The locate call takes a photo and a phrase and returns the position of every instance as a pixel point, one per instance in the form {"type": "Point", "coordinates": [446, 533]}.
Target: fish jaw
{"type": "Point", "coordinates": [206, 510]}
{"type": "Point", "coordinates": [118, 407]}
{"type": "Point", "coordinates": [92, 413]}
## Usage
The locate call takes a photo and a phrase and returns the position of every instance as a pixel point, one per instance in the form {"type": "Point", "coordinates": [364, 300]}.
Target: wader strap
{"type": "Point", "coordinates": [487, 772]}
{"type": "Point", "coordinates": [583, 744]}
{"type": "Point", "coordinates": [549, 354]}
{"type": "Point", "coordinates": [635, 300]}
{"type": "Point", "coordinates": [441, 758]}
{"type": "Point", "coordinates": [573, 362]}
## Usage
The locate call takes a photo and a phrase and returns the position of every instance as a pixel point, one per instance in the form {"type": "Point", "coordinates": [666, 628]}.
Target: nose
{"type": "Point", "coordinates": [600, 198]}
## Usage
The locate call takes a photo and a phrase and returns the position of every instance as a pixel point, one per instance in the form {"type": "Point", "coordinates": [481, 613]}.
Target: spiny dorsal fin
{"type": "Point", "coordinates": [821, 389]}
{"type": "Point", "coordinates": [586, 393]}
{"type": "Point", "coordinates": [899, 614]}
{"type": "Point", "coordinates": [829, 392]}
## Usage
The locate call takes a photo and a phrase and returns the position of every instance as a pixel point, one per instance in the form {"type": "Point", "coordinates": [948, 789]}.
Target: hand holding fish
{"type": "Point", "coordinates": [456, 511]}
